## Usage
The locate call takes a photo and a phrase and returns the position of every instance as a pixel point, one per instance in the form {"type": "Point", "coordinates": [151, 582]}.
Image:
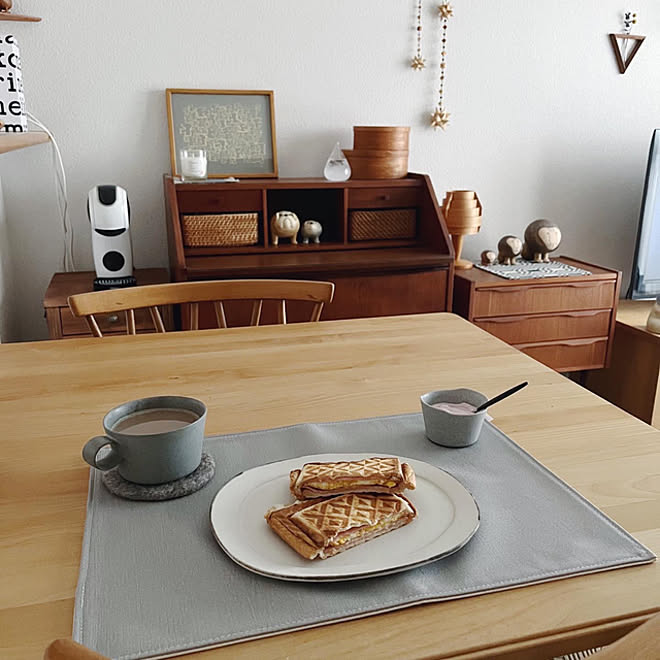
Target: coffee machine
{"type": "Point", "coordinates": [109, 214]}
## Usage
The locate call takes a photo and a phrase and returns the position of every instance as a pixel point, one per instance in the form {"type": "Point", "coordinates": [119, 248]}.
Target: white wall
{"type": "Point", "coordinates": [6, 329]}
{"type": "Point", "coordinates": [543, 125]}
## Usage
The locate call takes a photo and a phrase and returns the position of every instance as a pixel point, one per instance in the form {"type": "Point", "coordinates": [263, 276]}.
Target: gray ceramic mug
{"type": "Point", "coordinates": [447, 429]}
{"type": "Point", "coordinates": [145, 457]}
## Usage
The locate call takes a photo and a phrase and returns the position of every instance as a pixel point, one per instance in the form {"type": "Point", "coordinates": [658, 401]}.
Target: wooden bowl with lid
{"type": "Point", "coordinates": [377, 164]}
{"type": "Point", "coordinates": [394, 138]}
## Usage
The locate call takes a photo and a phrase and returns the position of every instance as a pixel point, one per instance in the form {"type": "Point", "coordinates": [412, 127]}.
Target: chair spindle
{"type": "Point", "coordinates": [194, 316]}
{"type": "Point", "coordinates": [257, 305]}
{"type": "Point", "coordinates": [130, 321]}
{"type": "Point", "coordinates": [157, 319]}
{"type": "Point", "coordinates": [220, 317]}
{"type": "Point", "coordinates": [281, 311]}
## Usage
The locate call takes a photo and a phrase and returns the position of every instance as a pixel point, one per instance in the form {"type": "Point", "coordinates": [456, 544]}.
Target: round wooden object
{"type": "Point", "coordinates": [461, 214]}
{"type": "Point", "coordinates": [461, 203]}
{"type": "Point", "coordinates": [462, 194]}
{"type": "Point", "coordinates": [378, 153]}
{"type": "Point", "coordinates": [463, 229]}
{"type": "Point", "coordinates": [372, 167]}
{"type": "Point", "coordinates": [460, 264]}
{"type": "Point", "coordinates": [394, 138]}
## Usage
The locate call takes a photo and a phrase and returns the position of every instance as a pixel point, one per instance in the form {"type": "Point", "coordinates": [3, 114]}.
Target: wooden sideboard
{"type": "Point", "coordinates": [631, 380]}
{"type": "Point", "coordinates": [565, 322]}
{"type": "Point", "coordinates": [62, 324]}
{"type": "Point", "coordinates": [378, 277]}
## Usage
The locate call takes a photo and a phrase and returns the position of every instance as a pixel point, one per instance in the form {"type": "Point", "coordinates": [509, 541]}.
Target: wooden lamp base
{"type": "Point", "coordinates": [460, 264]}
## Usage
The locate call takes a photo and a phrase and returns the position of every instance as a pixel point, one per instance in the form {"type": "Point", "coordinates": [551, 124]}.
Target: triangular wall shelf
{"type": "Point", "coordinates": [624, 64]}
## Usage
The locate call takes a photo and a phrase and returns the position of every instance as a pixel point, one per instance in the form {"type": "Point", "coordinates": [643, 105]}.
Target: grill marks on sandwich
{"type": "Point", "coordinates": [320, 528]}
{"type": "Point", "coordinates": [371, 475]}
{"type": "Point", "coordinates": [343, 504]}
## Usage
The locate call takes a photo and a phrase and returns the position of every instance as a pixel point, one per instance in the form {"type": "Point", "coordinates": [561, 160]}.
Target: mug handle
{"type": "Point", "coordinates": [92, 448]}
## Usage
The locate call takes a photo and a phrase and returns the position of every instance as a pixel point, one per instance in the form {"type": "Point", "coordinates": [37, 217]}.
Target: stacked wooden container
{"type": "Point", "coordinates": [462, 211]}
{"type": "Point", "coordinates": [379, 152]}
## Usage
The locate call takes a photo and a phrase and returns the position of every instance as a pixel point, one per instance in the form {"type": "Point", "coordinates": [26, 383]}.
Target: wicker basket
{"type": "Point", "coordinates": [385, 224]}
{"type": "Point", "coordinates": [220, 230]}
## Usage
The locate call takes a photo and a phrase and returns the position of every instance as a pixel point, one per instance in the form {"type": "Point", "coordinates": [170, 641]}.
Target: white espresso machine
{"type": "Point", "coordinates": [109, 214]}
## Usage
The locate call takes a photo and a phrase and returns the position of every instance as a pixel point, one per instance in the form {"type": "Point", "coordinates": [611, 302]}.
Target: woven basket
{"type": "Point", "coordinates": [220, 230]}
{"type": "Point", "coordinates": [385, 224]}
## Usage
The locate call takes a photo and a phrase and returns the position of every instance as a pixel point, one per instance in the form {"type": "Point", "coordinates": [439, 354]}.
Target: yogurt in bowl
{"type": "Point", "coordinates": [462, 408]}
{"type": "Point", "coordinates": [450, 419]}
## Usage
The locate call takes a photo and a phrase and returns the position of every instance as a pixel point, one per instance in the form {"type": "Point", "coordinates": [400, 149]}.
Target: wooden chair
{"type": "Point", "coordinates": [192, 293]}
{"type": "Point", "coordinates": [642, 643]}
{"type": "Point", "coordinates": [67, 649]}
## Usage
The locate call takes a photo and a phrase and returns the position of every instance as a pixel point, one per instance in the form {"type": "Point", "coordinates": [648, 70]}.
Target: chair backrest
{"type": "Point", "coordinates": [67, 649]}
{"type": "Point", "coordinates": [192, 293]}
{"type": "Point", "coordinates": [642, 643]}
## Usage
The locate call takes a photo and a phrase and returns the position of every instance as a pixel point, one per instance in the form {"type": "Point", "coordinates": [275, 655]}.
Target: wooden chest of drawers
{"type": "Point", "coordinates": [564, 322]}
{"type": "Point", "coordinates": [63, 324]}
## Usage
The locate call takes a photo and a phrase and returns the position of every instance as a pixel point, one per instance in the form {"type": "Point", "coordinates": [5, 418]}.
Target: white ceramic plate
{"type": "Point", "coordinates": [447, 518]}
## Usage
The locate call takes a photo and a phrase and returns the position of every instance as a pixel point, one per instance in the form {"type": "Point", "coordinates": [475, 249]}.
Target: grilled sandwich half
{"type": "Point", "coordinates": [370, 475]}
{"type": "Point", "coordinates": [320, 528]}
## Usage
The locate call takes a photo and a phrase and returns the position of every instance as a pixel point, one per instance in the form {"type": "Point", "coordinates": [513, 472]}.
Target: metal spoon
{"type": "Point", "coordinates": [499, 397]}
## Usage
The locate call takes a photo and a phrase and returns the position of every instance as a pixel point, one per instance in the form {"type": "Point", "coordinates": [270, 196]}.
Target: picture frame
{"type": "Point", "coordinates": [235, 127]}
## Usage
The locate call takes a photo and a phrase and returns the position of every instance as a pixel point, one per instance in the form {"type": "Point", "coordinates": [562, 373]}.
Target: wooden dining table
{"type": "Point", "coordinates": [53, 396]}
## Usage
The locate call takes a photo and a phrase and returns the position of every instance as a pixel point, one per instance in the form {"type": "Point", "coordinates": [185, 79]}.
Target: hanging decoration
{"type": "Point", "coordinates": [440, 116]}
{"type": "Point", "coordinates": [418, 62]}
{"type": "Point", "coordinates": [620, 42]}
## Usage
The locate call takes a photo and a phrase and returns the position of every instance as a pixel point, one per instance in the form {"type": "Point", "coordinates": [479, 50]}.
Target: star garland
{"type": "Point", "coordinates": [418, 62]}
{"type": "Point", "coordinates": [440, 117]}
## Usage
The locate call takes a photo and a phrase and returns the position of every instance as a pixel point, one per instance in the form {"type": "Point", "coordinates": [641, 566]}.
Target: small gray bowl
{"type": "Point", "coordinates": [449, 430]}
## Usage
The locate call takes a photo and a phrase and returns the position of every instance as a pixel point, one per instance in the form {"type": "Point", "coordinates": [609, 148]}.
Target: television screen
{"type": "Point", "coordinates": [645, 280]}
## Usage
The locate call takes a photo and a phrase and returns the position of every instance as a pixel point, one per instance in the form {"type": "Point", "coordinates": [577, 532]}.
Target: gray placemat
{"type": "Point", "coordinates": [531, 270]}
{"type": "Point", "coordinates": [153, 581]}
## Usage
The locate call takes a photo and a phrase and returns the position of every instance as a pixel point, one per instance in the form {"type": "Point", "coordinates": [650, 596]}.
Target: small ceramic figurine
{"type": "Point", "coordinates": [488, 258]}
{"type": "Point", "coordinates": [541, 237]}
{"type": "Point", "coordinates": [5, 5]}
{"type": "Point", "coordinates": [284, 224]}
{"type": "Point", "coordinates": [311, 229]}
{"type": "Point", "coordinates": [508, 248]}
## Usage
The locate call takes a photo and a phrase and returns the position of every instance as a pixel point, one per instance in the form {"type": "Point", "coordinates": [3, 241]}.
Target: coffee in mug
{"type": "Point", "coordinates": [152, 440]}
{"type": "Point", "coordinates": [155, 420]}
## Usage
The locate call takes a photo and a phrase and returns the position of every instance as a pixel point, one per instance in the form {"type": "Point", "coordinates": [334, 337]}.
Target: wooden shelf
{"type": "Point", "coordinates": [412, 181]}
{"type": "Point", "coordinates": [375, 260]}
{"type": "Point", "coordinates": [6, 16]}
{"type": "Point", "coordinates": [13, 141]}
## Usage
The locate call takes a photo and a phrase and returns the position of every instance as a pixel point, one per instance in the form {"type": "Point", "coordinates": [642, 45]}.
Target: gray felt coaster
{"type": "Point", "coordinates": [191, 483]}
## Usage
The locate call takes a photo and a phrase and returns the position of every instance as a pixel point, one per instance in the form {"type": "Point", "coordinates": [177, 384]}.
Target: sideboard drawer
{"type": "Point", "coordinates": [111, 324]}
{"type": "Point", "coordinates": [382, 198]}
{"type": "Point", "coordinates": [209, 201]}
{"type": "Point", "coordinates": [569, 355]}
{"type": "Point", "coordinates": [548, 327]}
{"type": "Point", "coordinates": [540, 298]}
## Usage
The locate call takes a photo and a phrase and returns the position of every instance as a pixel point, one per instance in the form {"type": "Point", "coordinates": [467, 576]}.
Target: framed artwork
{"type": "Point", "coordinates": [236, 128]}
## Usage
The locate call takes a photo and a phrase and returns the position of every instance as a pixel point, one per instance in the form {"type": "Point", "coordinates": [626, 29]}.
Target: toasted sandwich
{"type": "Point", "coordinates": [371, 475]}
{"type": "Point", "coordinates": [320, 528]}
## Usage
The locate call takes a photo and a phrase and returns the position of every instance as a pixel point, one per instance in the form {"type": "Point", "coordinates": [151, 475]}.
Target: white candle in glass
{"type": "Point", "coordinates": [193, 163]}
